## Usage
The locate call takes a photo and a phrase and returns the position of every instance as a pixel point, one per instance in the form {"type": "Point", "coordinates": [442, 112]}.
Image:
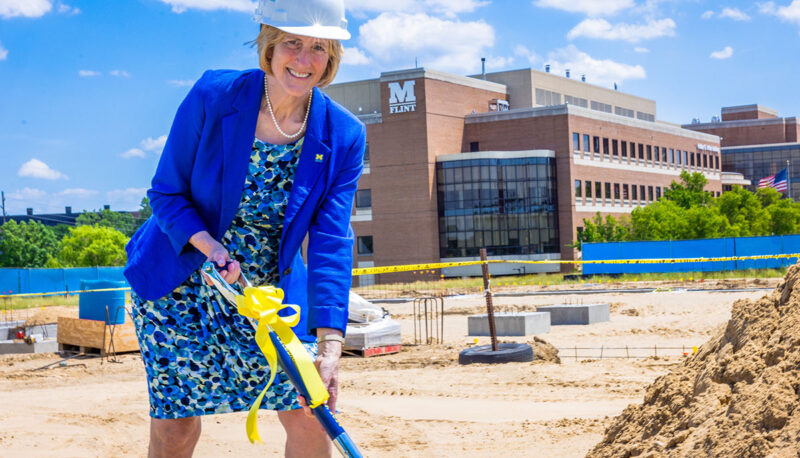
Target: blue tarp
{"type": "Point", "coordinates": [21, 281]}
{"type": "Point", "coordinates": [707, 248]}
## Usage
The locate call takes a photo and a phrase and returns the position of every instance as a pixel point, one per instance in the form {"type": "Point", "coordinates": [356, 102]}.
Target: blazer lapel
{"type": "Point", "coordinates": [313, 158]}
{"type": "Point", "coordinates": [238, 133]}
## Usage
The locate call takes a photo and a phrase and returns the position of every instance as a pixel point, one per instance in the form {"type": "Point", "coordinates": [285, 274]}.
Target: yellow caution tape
{"type": "Point", "coordinates": [409, 267]}
{"type": "Point", "coordinates": [263, 304]}
{"type": "Point", "coordinates": [58, 293]}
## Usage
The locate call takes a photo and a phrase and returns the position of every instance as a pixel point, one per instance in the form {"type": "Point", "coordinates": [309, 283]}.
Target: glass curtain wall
{"type": "Point", "coordinates": [760, 162]}
{"type": "Point", "coordinates": [507, 206]}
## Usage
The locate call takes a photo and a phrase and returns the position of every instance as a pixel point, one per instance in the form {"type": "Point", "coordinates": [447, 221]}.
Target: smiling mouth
{"type": "Point", "coordinates": [298, 75]}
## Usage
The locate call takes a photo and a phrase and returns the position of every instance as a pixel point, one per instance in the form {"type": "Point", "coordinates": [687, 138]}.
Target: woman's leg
{"type": "Point", "coordinates": [173, 438]}
{"type": "Point", "coordinates": [304, 435]}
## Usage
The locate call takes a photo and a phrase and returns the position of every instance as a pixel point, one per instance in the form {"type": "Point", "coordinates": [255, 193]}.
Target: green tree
{"type": "Point", "coordinates": [26, 244]}
{"type": "Point", "coordinates": [784, 217]}
{"type": "Point", "coordinates": [746, 216]}
{"type": "Point", "coordinates": [662, 220]}
{"type": "Point", "coordinates": [123, 222]}
{"type": "Point", "coordinates": [703, 222]}
{"type": "Point", "coordinates": [61, 231]}
{"type": "Point", "coordinates": [767, 196]}
{"type": "Point", "coordinates": [144, 212]}
{"type": "Point", "coordinates": [690, 192]}
{"type": "Point", "coordinates": [88, 246]}
{"type": "Point", "coordinates": [598, 229]}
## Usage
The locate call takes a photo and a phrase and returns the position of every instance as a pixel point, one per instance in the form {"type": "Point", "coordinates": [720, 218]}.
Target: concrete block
{"type": "Point", "coordinates": [44, 346]}
{"type": "Point", "coordinates": [510, 324]}
{"type": "Point", "coordinates": [576, 314]}
{"type": "Point", "coordinates": [6, 328]}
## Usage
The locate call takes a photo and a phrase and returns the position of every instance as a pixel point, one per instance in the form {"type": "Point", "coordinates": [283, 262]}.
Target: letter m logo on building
{"type": "Point", "coordinates": [402, 94]}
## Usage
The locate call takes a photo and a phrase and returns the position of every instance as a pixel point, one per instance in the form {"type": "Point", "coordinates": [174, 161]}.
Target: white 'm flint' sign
{"type": "Point", "coordinates": [402, 98]}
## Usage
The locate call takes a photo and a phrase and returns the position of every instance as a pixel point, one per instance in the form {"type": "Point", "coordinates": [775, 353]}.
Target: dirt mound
{"type": "Point", "coordinates": [545, 351]}
{"type": "Point", "coordinates": [738, 396]}
{"type": "Point", "coordinates": [48, 315]}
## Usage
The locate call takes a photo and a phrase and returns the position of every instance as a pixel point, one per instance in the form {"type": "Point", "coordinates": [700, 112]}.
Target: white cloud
{"type": "Point", "coordinates": [497, 63]}
{"type": "Point", "coordinates": [125, 199]}
{"type": "Point", "coordinates": [734, 13]}
{"type": "Point", "coordinates": [788, 13]}
{"type": "Point", "coordinates": [354, 56]}
{"type": "Point", "coordinates": [148, 145]}
{"type": "Point", "coordinates": [25, 8]}
{"type": "Point", "coordinates": [25, 194]}
{"type": "Point", "coordinates": [707, 15]}
{"type": "Point", "coordinates": [724, 53]}
{"type": "Point", "coordinates": [641, 50]}
{"type": "Point", "coordinates": [154, 144]}
{"type": "Point", "coordinates": [527, 54]}
{"type": "Point", "coordinates": [603, 72]}
{"type": "Point", "coordinates": [588, 7]}
{"type": "Point", "coordinates": [79, 193]}
{"type": "Point", "coordinates": [448, 45]}
{"type": "Point", "coordinates": [180, 6]}
{"type": "Point", "coordinates": [3, 52]}
{"type": "Point", "coordinates": [87, 73]}
{"type": "Point", "coordinates": [38, 169]}
{"type": "Point", "coordinates": [181, 83]}
{"type": "Point", "coordinates": [633, 33]}
{"type": "Point", "coordinates": [122, 73]}
{"type": "Point", "coordinates": [66, 9]}
{"type": "Point", "coordinates": [133, 152]}
{"type": "Point", "coordinates": [447, 7]}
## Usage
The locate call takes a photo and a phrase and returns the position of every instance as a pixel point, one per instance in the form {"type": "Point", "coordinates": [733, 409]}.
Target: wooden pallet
{"type": "Point", "coordinates": [375, 351]}
{"type": "Point", "coordinates": [90, 336]}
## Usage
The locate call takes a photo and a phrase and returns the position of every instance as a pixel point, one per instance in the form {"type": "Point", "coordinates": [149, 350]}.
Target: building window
{"type": "Point", "coordinates": [625, 195]}
{"type": "Point", "coordinates": [691, 159]}
{"type": "Point", "coordinates": [608, 191]}
{"type": "Point", "coordinates": [624, 148]}
{"type": "Point", "coordinates": [576, 141]}
{"type": "Point", "coordinates": [686, 158]}
{"type": "Point", "coordinates": [663, 154]}
{"type": "Point", "coordinates": [508, 206]}
{"type": "Point", "coordinates": [658, 192]}
{"type": "Point", "coordinates": [366, 155]}
{"type": "Point", "coordinates": [474, 147]}
{"type": "Point", "coordinates": [649, 153]}
{"type": "Point", "coordinates": [586, 143]}
{"type": "Point", "coordinates": [641, 151]}
{"type": "Point", "coordinates": [598, 189]}
{"type": "Point", "coordinates": [605, 147]}
{"type": "Point", "coordinates": [615, 147]}
{"type": "Point", "coordinates": [596, 141]}
{"type": "Point", "coordinates": [642, 195]}
{"type": "Point", "coordinates": [671, 156]}
{"type": "Point", "coordinates": [363, 199]}
{"type": "Point", "coordinates": [650, 193]}
{"type": "Point", "coordinates": [364, 245]}
{"type": "Point", "coordinates": [616, 191]}
{"type": "Point", "coordinates": [705, 161]}
{"type": "Point", "coordinates": [716, 162]}
{"type": "Point", "coordinates": [588, 188]}
{"type": "Point", "coordinates": [577, 188]}
{"type": "Point", "coordinates": [634, 193]}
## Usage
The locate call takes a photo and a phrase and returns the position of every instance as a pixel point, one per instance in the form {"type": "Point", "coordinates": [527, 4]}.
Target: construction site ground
{"type": "Point", "coordinates": [419, 402]}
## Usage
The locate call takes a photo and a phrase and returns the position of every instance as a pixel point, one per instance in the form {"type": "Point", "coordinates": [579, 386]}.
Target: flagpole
{"type": "Point", "coordinates": [789, 177]}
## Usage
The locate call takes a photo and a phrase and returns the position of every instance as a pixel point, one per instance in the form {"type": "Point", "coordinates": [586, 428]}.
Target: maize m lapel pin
{"type": "Point", "coordinates": [319, 158]}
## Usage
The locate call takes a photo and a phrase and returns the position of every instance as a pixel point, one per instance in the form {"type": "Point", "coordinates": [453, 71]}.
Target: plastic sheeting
{"type": "Point", "coordinates": [707, 248]}
{"type": "Point", "coordinates": [21, 281]}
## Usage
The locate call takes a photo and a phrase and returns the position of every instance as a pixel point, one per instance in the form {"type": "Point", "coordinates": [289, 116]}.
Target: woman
{"type": "Point", "coordinates": [255, 161]}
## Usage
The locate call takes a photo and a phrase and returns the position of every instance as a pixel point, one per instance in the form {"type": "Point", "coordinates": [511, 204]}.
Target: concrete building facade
{"type": "Point", "coordinates": [513, 162]}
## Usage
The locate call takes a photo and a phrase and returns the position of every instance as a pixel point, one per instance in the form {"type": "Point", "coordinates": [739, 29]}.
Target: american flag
{"type": "Point", "coordinates": [777, 181]}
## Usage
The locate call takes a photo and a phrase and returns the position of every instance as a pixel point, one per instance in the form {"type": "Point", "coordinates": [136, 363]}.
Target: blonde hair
{"type": "Point", "coordinates": [269, 37]}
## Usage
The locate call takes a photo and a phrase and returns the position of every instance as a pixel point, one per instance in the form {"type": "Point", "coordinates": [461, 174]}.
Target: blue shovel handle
{"type": "Point", "coordinates": [338, 435]}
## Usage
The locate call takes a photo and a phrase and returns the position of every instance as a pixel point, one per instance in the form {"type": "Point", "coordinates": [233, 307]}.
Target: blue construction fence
{"type": "Point", "coordinates": [22, 281]}
{"type": "Point", "coordinates": [706, 248]}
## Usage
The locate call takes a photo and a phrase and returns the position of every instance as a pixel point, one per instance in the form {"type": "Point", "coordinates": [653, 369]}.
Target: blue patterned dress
{"type": "Point", "coordinates": [199, 353]}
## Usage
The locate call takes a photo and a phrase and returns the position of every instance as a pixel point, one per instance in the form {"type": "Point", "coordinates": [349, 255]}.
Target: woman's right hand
{"type": "Point", "coordinates": [228, 268]}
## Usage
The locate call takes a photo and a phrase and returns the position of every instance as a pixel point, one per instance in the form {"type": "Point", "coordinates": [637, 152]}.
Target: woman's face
{"type": "Point", "coordinates": [299, 62]}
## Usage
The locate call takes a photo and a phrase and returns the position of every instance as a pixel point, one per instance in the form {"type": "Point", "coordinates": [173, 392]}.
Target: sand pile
{"type": "Point", "coordinates": [739, 396]}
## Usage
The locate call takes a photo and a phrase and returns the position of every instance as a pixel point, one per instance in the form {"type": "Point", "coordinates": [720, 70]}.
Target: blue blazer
{"type": "Point", "coordinates": [199, 182]}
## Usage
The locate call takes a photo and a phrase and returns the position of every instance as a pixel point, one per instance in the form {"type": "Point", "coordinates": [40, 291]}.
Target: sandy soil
{"type": "Point", "coordinates": [419, 402]}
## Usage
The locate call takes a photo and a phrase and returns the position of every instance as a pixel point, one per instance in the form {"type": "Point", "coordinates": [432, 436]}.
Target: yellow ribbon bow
{"type": "Point", "coordinates": [263, 304]}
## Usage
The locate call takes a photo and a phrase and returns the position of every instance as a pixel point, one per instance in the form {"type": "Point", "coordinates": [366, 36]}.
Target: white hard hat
{"type": "Point", "coordinates": [312, 18]}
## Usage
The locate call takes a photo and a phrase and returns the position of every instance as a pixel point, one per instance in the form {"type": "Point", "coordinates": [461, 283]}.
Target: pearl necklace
{"type": "Point", "coordinates": [275, 121]}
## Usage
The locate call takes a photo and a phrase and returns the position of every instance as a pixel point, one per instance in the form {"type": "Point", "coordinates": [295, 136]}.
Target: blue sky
{"type": "Point", "coordinates": [88, 88]}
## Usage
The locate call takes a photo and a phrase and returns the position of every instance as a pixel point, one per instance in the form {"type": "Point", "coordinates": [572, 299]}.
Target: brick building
{"type": "Point", "coordinates": [756, 143]}
{"type": "Point", "coordinates": [511, 161]}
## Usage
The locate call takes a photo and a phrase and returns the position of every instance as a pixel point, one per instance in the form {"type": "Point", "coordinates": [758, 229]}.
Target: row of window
{"type": "Point", "coordinates": [549, 98]}
{"type": "Point", "coordinates": [616, 191]}
{"type": "Point", "coordinates": [651, 153]}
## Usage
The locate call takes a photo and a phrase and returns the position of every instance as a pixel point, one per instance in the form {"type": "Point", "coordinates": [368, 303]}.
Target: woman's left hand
{"type": "Point", "coordinates": [327, 362]}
